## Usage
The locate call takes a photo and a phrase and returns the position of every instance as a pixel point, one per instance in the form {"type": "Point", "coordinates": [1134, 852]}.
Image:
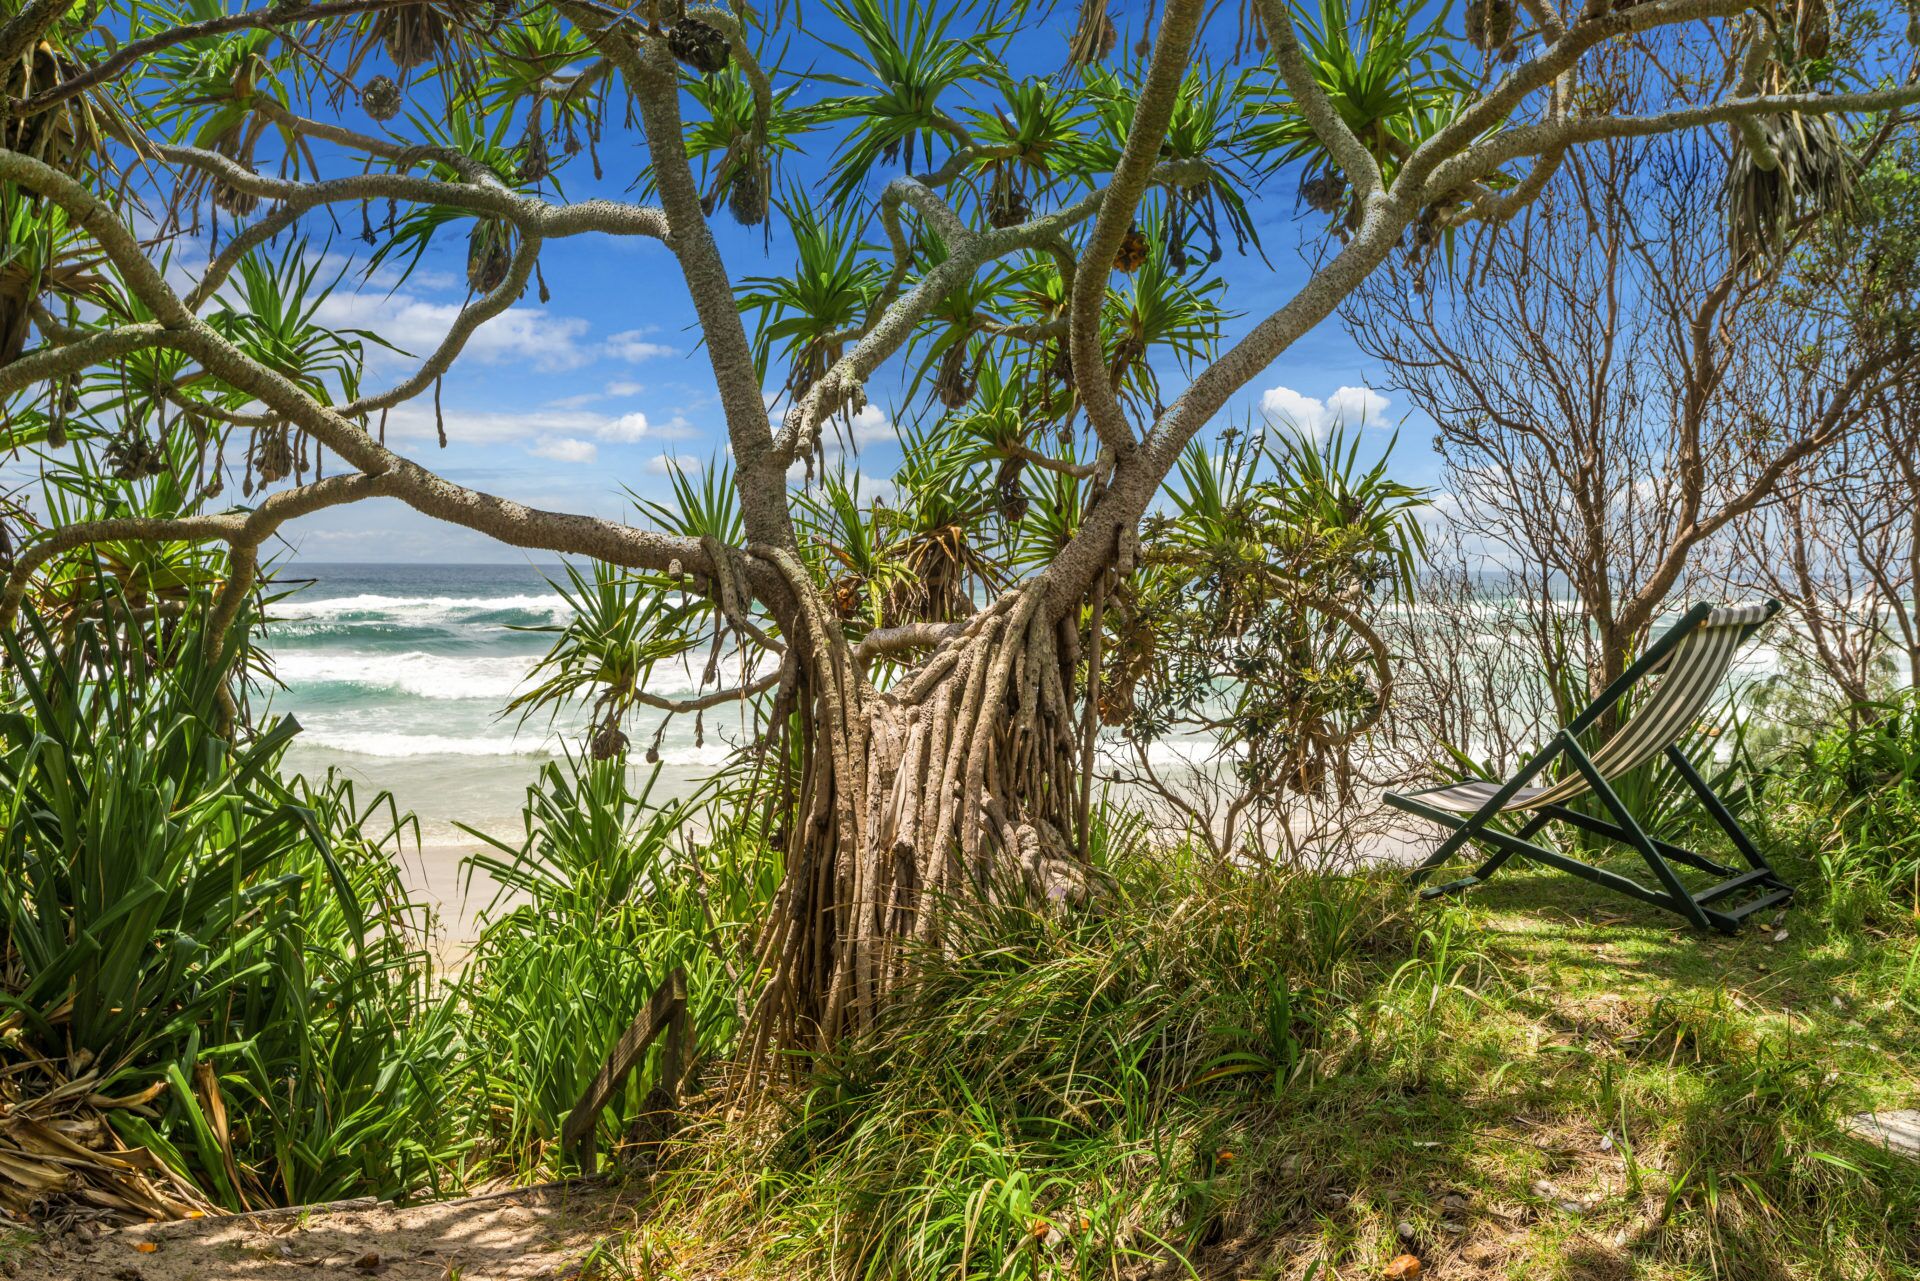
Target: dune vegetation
{"type": "Point", "coordinates": [1043, 918]}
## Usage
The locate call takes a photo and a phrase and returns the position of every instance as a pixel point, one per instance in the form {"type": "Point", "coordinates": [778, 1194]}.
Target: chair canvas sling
{"type": "Point", "coordinates": [1690, 660]}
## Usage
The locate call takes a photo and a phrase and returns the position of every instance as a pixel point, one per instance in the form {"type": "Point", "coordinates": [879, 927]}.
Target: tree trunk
{"type": "Point", "coordinates": [956, 783]}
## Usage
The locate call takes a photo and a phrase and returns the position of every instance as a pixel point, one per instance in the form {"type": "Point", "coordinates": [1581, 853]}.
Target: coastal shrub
{"type": "Point", "coordinates": [223, 958]}
{"type": "Point", "coordinates": [1066, 1094]}
{"type": "Point", "coordinates": [1856, 790]}
{"type": "Point", "coordinates": [606, 895]}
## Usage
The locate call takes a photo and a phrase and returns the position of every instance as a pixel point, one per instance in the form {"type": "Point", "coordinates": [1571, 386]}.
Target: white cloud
{"type": "Point", "coordinates": [632, 344]}
{"type": "Point", "coordinates": [618, 389]}
{"type": "Point", "coordinates": [1362, 406]}
{"type": "Point", "coordinates": [1348, 406]}
{"type": "Point", "coordinates": [870, 426]}
{"type": "Point", "coordinates": [566, 449]}
{"type": "Point", "coordinates": [675, 428]}
{"type": "Point", "coordinates": [415, 421]}
{"type": "Point", "coordinates": [522, 335]}
{"type": "Point", "coordinates": [627, 428]}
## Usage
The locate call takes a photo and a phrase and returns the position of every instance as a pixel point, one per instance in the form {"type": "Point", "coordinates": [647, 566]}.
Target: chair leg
{"type": "Point", "coordinates": [1718, 810]}
{"type": "Point", "coordinates": [1500, 856]}
{"type": "Point", "coordinates": [1681, 900]}
{"type": "Point", "coordinates": [1461, 834]}
{"type": "Point", "coordinates": [1668, 850]}
{"type": "Point", "coordinates": [1472, 827]}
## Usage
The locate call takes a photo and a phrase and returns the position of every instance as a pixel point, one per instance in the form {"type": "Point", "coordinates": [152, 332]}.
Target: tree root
{"type": "Point", "coordinates": [961, 784]}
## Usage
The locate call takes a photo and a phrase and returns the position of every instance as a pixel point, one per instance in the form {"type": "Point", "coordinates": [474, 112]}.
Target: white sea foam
{"type": "Point", "coordinates": [415, 672]}
{"type": "Point", "coordinates": [419, 674]}
{"type": "Point", "coordinates": [393, 744]}
{"type": "Point", "coordinates": [370, 606]}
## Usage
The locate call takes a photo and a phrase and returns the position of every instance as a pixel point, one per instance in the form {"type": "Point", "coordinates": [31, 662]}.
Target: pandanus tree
{"type": "Point", "coordinates": [1037, 238]}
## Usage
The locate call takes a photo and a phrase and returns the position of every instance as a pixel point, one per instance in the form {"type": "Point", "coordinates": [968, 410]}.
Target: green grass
{"type": "Point", "coordinates": [1239, 1077]}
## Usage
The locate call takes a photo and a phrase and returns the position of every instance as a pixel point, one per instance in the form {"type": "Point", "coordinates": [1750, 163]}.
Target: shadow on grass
{"type": "Point", "coordinates": [1741, 1053]}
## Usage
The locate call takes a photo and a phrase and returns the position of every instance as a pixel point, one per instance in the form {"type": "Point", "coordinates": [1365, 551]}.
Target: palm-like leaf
{"type": "Point", "coordinates": [1393, 83]}
{"type": "Point", "coordinates": [908, 62]}
{"type": "Point", "coordinates": [830, 289]}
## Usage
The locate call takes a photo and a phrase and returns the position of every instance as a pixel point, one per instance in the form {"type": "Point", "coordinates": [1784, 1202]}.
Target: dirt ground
{"type": "Point", "coordinates": [541, 1234]}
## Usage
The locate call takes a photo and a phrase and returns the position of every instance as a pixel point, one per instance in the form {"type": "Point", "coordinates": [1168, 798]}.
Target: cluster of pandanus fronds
{"type": "Point", "coordinates": [994, 348]}
{"type": "Point", "coordinates": [1250, 618]}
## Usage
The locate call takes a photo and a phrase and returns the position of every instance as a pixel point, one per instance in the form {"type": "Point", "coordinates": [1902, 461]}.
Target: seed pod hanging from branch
{"type": "Point", "coordinates": [133, 455]}
{"type": "Point", "coordinates": [1010, 495]}
{"type": "Point", "coordinates": [700, 45]}
{"type": "Point", "coordinates": [380, 98]}
{"type": "Point", "coordinates": [1489, 24]}
{"type": "Point", "coordinates": [955, 381]}
{"type": "Point", "coordinates": [1094, 35]}
{"type": "Point", "coordinates": [489, 255]}
{"type": "Point", "coordinates": [412, 33]}
{"type": "Point", "coordinates": [273, 455]}
{"type": "Point", "coordinates": [747, 191]}
{"type": "Point", "coordinates": [1324, 191]}
{"type": "Point", "coordinates": [1006, 203]}
{"type": "Point", "coordinates": [65, 136]}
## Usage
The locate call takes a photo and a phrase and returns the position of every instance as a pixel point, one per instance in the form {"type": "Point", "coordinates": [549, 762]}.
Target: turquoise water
{"type": "Point", "coordinates": [400, 675]}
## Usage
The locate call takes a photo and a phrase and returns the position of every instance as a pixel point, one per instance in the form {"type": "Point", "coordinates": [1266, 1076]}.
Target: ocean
{"type": "Point", "coordinates": [399, 676]}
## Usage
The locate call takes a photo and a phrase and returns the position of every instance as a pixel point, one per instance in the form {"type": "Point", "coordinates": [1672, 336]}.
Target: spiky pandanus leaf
{"type": "Point", "coordinates": [1814, 175]}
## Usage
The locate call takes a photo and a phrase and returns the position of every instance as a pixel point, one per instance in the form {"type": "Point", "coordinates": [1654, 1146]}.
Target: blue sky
{"type": "Point", "coordinates": [574, 402]}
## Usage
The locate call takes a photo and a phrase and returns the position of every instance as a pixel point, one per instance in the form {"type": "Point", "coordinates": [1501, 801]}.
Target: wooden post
{"type": "Point", "coordinates": [666, 1011]}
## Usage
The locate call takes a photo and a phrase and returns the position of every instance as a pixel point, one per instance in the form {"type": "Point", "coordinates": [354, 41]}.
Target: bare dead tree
{"type": "Point", "coordinates": [964, 767]}
{"type": "Point", "coordinates": [1613, 387]}
{"type": "Point", "coordinates": [1841, 547]}
{"type": "Point", "coordinates": [1461, 683]}
{"type": "Point", "coordinates": [1834, 550]}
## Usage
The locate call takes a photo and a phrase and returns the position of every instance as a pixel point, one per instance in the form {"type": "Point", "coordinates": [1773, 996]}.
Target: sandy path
{"type": "Point", "coordinates": [434, 876]}
{"type": "Point", "coordinates": [513, 1236]}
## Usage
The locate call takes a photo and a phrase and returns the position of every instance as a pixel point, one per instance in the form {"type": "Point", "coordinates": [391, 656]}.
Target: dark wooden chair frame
{"type": "Point", "coordinates": [1759, 877]}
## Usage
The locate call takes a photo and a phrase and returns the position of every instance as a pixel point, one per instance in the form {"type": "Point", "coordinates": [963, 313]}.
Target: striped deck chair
{"type": "Point", "coordinates": [1690, 661]}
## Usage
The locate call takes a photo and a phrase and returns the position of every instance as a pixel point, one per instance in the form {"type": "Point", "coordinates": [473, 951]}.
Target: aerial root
{"type": "Point", "coordinates": [958, 785]}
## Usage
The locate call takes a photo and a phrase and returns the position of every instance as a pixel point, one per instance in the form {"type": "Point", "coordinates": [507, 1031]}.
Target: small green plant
{"type": "Point", "coordinates": [602, 899]}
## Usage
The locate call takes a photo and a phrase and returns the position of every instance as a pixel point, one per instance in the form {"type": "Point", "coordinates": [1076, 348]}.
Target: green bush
{"type": "Point", "coordinates": [1857, 785]}
{"type": "Point", "coordinates": [601, 901]}
{"type": "Point", "coordinates": [173, 914]}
